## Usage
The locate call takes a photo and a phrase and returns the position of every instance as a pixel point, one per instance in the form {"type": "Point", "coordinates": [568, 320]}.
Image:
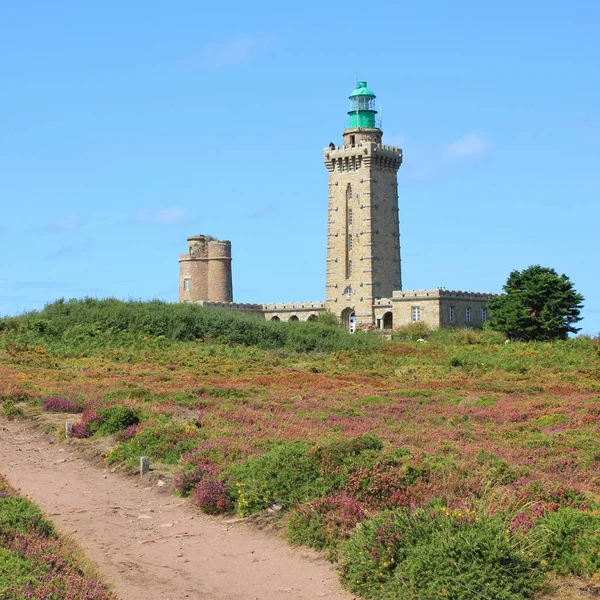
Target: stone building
{"type": "Point", "coordinates": [363, 266]}
{"type": "Point", "coordinates": [205, 271]}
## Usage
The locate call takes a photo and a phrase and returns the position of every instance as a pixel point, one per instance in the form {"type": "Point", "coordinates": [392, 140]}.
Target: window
{"type": "Point", "coordinates": [349, 242]}
{"type": "Point", "coordinates": [484, 314]}
{"type": "Point", "coordinates": [352, 140]}
{"type": "Point", "coordinates": [186, 284]}
{"type": "Point", "coordinates": [452, 313]}
{"type": "Point", "coordinates": [415, 313]}
{"type": "Point", "coordinates": [349, 216]}
{"type": "Point", "coordinates": [468, 314]}
{"type": "Point", "coordinates": [349, 268]}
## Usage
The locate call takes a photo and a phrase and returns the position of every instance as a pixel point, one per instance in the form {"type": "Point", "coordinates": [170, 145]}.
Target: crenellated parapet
{"type": "Point", "coordinates": [440, 293]}
{"type": "Point", "coordinates": [205, 271]}
{"type": "Point", "coordinates": [362, 155]}
{"type": "Point", "coordinates": [294, 306]}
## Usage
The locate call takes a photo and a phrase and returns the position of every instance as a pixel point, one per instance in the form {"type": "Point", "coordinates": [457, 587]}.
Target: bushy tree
{"type": "Point", "coordinates": [328, 318]}
{"type": "Point", "coordinates": [538, 304]}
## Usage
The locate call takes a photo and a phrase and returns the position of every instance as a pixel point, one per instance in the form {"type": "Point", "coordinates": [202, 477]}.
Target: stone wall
{"type": "Point", "coordinates": [461, 302]}
{"type": "Point", "coordinates": [363, 255]}
{"type": "Point", "coordinates": [437, 306]}
{"type": "Point", "coordinates": [293, 311]}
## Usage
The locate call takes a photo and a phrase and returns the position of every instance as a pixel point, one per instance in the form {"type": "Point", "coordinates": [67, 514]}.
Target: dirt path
{"type": "Point", "coordinates": [151, 545]}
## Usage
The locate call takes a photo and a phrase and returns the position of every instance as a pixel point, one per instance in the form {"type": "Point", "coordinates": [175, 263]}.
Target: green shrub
{"type": "Point", "coordinates": [429, 554]}
{"type": "Point", "coordinates": [307, 528]}
{"type": "Point", "coordinates": [325, 523]}
{"type": "Point", "coordinates": [114, 419]}
{"type": "Point", "coordinates": [495, 470]}
{"type": "Point", "coordinates": [334, 452]}
{"type": "Point", "coordinates": [15, 572]}
{"type": "Point", "coordinates": [413, 331]}
{"type": "Point", "coordinates": [569, 541]}
{"type": "Point", "coordinates": [298, 471]}
{"type": "Point", "coordinates": [20, 515]}
{"type": "Point", "coordinates": [166, 442]}
{"type": "Point", "coordinates": [328, 318]}
{"type": "Point", "coordinates": [96, 323]}
{"type": "Point", "coordinates": [10, 411]}
{"type": "Point", "coordinates": [284, 475]}
{"type": "Point", "coordinates": [466, 336]}
{"type": "Point", "coordinates": [468, 561]}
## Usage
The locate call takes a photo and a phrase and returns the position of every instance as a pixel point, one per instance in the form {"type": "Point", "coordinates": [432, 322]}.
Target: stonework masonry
{"type": "Point", "coordinates": [363, 269]}
{"type": "Point", "coordinates": [205, 271]}
{"type": "Point", "coordinates": [363, 252]}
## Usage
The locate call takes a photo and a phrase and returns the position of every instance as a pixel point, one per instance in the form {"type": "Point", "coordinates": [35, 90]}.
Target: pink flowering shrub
{"type": "Point", "coordinates": [59, 404]}
{"type": "Point", "coordinates": [185, 481]}
{"type": "Point", "coordinates": [83, 429]}
{"type": "Point", "coordinates": [212, 497]}
{"type": "Point", "coordinates": [127, 434]}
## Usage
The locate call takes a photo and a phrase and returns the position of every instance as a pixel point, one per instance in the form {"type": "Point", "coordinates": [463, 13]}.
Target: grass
{"type": "Point", "coordinates": [335, 430]}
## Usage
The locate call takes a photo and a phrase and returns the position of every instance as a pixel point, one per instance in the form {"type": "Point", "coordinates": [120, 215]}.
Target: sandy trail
{"type": "Point", "coordinates": [150, 544]}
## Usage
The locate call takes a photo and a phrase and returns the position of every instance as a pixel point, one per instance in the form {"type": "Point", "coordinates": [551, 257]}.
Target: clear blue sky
{"type": "Point", "coordinates": [127, 126]}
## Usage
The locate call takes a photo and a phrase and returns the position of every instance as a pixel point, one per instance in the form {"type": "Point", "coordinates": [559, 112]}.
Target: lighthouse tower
{"type": "Point", "coordinates": [363, 242]}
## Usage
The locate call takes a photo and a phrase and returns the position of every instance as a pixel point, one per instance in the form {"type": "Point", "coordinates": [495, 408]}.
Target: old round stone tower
{"type": "Point", "coordinates": [363, 244]}
{"type": "Point", "coordinates": [205, 271]}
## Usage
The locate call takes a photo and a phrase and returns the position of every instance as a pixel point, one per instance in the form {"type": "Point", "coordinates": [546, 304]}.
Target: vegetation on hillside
{"type": "Point", "coordinates": [34, 561]}
{"type": "Point", "coordinates": [460, 467]}
{"type": "Point", "coordinates": [78, 320]}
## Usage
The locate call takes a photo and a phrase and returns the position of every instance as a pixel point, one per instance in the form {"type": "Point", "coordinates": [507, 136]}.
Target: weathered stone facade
{"type": "Point", "coordinates": [363, 274]}
{"type": "Point", "coordinates": [436, 307]}
{"type": "Point", "coordinates": [363, 252]}
{"type": "Point", "coordinates": [205, 271]}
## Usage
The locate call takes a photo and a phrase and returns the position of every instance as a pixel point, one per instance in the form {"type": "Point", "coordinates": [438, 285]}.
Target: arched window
{"type": "Point", "coordinates": [275, 318]}
{"type": "Point", "coordinates": [293, 318]}
{"type": "Point", "coordinates": [312, 318]}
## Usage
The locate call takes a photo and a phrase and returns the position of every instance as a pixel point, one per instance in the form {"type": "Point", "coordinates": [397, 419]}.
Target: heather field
{"type": "Point", "coordinates": [34, 561]}
{"type": "Point", "coordinates": [460, 467]}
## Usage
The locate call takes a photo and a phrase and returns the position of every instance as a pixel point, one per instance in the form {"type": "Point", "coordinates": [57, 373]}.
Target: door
{"type": "Point", "coordinates": [352, 323]}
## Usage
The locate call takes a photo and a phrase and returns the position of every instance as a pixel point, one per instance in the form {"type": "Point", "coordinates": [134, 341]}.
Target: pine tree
{"type": "Point", "coordinates": [538, 304]}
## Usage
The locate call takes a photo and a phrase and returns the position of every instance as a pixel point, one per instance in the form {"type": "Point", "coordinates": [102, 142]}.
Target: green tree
{"type": "Point", "coordinates": [328, 318]}
{"type": "Point", "coordinates": [538, 304]}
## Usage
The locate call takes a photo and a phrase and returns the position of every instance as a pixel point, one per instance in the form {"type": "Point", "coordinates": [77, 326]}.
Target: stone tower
{"type": "Point", "coordinates": [205, 271]}
{"type": "Point", "coordinates": [363, 242]}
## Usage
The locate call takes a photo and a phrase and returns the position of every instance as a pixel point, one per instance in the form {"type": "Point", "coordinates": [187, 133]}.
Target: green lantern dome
{"type": "Point", "coordinates": [362, 90]}
{"type": "Point", "coordinates": [362, 107]}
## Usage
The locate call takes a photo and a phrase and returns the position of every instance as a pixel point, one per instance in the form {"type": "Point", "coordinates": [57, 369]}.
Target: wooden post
{"type": "Point", "coordinates": [144, 465]}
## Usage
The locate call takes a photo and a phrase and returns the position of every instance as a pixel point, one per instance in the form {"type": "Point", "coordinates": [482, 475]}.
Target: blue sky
{"type": "Point", "coordinates": [127, 126]}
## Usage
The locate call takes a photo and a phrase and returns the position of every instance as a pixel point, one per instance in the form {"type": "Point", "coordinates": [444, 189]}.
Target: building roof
{"type": "Point", "coordinates": [362, 90]}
